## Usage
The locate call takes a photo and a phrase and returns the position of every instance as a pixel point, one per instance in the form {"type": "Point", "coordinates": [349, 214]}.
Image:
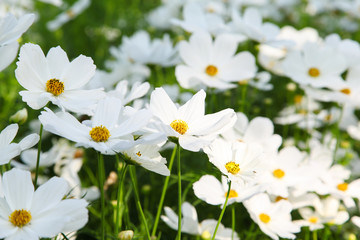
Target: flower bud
{"type": "Point", "coordinates": [20, 116]}
{"type": "Point", "coordinates": [126, 235]}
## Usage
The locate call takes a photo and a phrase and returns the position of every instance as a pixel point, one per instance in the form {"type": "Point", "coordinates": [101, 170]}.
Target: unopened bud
{"type": "Point", "coordinates": [291, 86]}
{"type": "Point", "coordinates": [20, 116]}
{"type": "Point", "coordinates": [126, 235]}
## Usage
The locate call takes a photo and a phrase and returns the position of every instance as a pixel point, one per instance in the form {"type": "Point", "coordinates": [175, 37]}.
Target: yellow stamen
{"type": "Point", "coordinates": [264, 218]}
{"type": "Point", "coordinates": [20, 218]}
{"type": "Point", "coordinates": [232, 194]}
{"type": "Point", "coordinates": [314, 72]}
{"type": "Point", "coordinates": [279, 198]}
{"type": "Point", "coordinates": [278, 173]}
{"type": "Point", "coordinates": [346, 91]}
{"type": "Point", "coordinates": [138, 153]}
{"type": "Point", "coordinates": [55, 87]}
{"type": "Point", "coordinates": [342, 187]}
{"type": "Point", "coordinates": [298, 98]}
{"type": "Point", "coordinates": [211, 70]}
{"type": "Point", "coordinates": [232, 167]}
{"type": "Point", "coordinates": [100, 134]}
{"type": "Point", "coordinates": [180, 126]}
{"type": "Point", "coordinates": [70, 13]}
{"type": "Point", "coordinates": [313, 220]}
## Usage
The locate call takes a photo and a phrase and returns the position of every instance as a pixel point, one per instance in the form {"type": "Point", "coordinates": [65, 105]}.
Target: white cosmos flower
{"type": "Point", "coordinates": [315, 65]}
{"type": "Point", "coordinates": [191, 225]}
{"type": "Point", "coordinates": [209, 189]}
{"type": "Point", "coordinates": [128, 93]}
{"type": "Point", "coordinates": [109, 131]}
{"type": "Point", "coordinates": [29, 214]}
{"type": "Point", "coordinates": [148, 157]}
{"type": "Point", "coordinates": [274, 219]}
{"type": "Point", "coordinates": [189, 123]}
{"type": "Point", "coordinates": [239, 161]}
{"type": "Point", "coordinates": [10, 150]}
{"type": "Point", "coordinates": [213, 63]}
{"type": "Point", "coordinates": [10, 30]}
{"type": "Point", "coordinates": [54, 78]}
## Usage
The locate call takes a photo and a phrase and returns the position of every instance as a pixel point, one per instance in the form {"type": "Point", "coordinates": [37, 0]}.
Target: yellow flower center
{"type": "Point", "coordinates": [264, 218]}
{"type": "Point", "coordinates": [313, 220]}
{"type": "Point", "coordinates": [20, 218]}
{"type": "Point", "coordinates": [100, 134]}
{"type": "Point", "coordinates": [278, 173]}
{"type": "Point", "coordinates": [138, 153]}
{"type": "Point", "coordinates": [205, 235]}
{"type": "Point", "coordinates": [232, 167]}
{"type": "Point", "coordinates": [70, 13]}
{"type": "Point", "coordinates": [279, 198]}
{"type": "Point", "coordinates": [55, 87]}
{"type": "Point", "coordinates": [342, 187]}
{"type": "Point", "coordinates": [314, 72]}
{"type": "Point", "coordinates": [232, 194]}
{"type": "Point", "coordinates": [346, 91]}
{"type": "Point", "coordinates": [180, 126]}
{"type": "Point", "coordinates": [298, 98]}
{"type": "Point", "coordinates": [211, 70]}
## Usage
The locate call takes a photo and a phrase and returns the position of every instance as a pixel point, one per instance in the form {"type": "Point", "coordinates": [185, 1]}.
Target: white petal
{"type": "Point", "coordinates": [78, 73]}
{"type": "Point", "coordinates": [57, 62]}
{"type": "Point", "coordinates": [8, 134]}
{"type": "Point", "coordinates": [162, 106]}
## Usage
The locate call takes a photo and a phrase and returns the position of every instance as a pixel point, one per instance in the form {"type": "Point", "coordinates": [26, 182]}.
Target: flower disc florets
{"type": "Point", "coordinates": [211, 70]}
{"type": "Point", "coordinates": [100, 134]}
{"type": "Point", "coordinates": [278, 173]}
{"type": "Point", "coordinates": [264, 218]}
{"type": "Point", "coordinates": [55, 87]}
{"type": "Point", "coordinates": [314, 72]}
{"type": "Point", "coordinates": [232, 167]}
{"type": "Point", "coordinates": [180, 126]}
{"type": "Point", "coordinates": [20, 218]}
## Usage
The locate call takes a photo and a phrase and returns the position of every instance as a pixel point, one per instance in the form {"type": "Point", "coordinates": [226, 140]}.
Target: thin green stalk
{"type": "Point", "coordinates": [64, 236]}
{"type": "Point", "coordinates": [338, 134]}
{"type": "Point", "coordinates": [119, 201]}
{"type": "Point", "coordinates": [179, 191]}
{"type": "Point", "coordinates": [38, 156]}
{"type": "Point", "coordinates": [232, 221]}
{"type": "Point", "coordinates": [162, 198]}
{"type": "Point", "coordinates": [223, 211]}
{"type": "Point", "coordinates": [243, 97]}
{"type": "Point", "coordinates": [102, 194]}
{"type": "Point", "coordinates": [137, 199]}
{"type": "Point", "coordinates": [314, 233]}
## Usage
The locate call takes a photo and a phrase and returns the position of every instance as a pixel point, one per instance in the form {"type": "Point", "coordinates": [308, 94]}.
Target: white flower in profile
{"type": "Point", "coordinates": [191, 225]}
{"type": "Point", "coordinates": [148, 157]}
{"type": "Point", "coordinates": [316, 66]}
{"type": "Point", "coordinates": [274, 219]}
{"type": "Point", "coordinates": [197, 19]}
{"type": "Point", "coordinates": [239, 161]}
{"type": "Point", "coordinates": [188, 122]}
{"type": "Point", "coordinates": [9, 149]}
{"type": "Point", "coordinates": [128, 93]}
{"type": "Point", "coordinates": [251, 25]}
{"type": "Point", "coordinates": [140, 48]}
{"type": "Point", "coordinates": [76, 9]}
{"type": "Point", "coordinates": [10, 30]}
{"type": "Point", "coordinates": [109, 131]}
{"type": "Point", "coordinates": [209, 189]}
{"type": "Point", "coordinates": [29, 214]}
{"type": "Point", "coordinates": [327, 210]}
{"type": "Point", "coordinates": [213, 63]}
{"type": "Point", "coordinates": [54, 78]}
{"type": "Point", "coordinates": [259, 130]}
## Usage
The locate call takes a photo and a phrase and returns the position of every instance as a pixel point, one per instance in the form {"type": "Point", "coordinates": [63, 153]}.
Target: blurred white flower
{"type": "Point", "coordinates": [127, 95]}
{"type": "Point", "coordinates": [213, 63]}
{"type": "Point", "coordinates": [53, 78]}
{"type": "Point", "coordinates": [76, 9]}
{"type": "Point", "coordinates": [10, 150]}
{"type": "Point", "coordinates": [188, 122]}
{"type": "Point", "coordinates": [274, 219]}
{"type": "Point", "coordinates": [11, 29]}
{"type": "Point", "coordinates": [191, 225]}
{"type": "Point", "coordinates": [29, 214]}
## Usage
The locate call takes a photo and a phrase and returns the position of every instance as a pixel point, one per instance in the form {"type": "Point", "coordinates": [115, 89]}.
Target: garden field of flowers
{"type": "Point", "coordinates": [179, 119]}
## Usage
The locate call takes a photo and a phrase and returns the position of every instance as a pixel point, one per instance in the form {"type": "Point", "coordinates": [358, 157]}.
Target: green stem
{"type": "Point", "coordinates": [243, 97]}
{"type": "Point", "coordinates": [223, 211]}
{"type": "Point", "coordinates": [119, 202]}
{"type": "Point", "coordinates": [314, 233]}
{"type": "Point", "coordinates": [102, 195]}
{"type": "Point", "coordinates": [338, 134]}
{"type": "Point", "coordinates": [38, 156]}
{"type": "Point", "coordinates": [162, 198]}
{"type": "Point", "coordinates": [64, 236]}
{"type": "Point", "coordinates": [179, 191]}
{"type": "Point", "coordinates": [232, 221]}
{"type": "Point", "coordinates": [137, 199]}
